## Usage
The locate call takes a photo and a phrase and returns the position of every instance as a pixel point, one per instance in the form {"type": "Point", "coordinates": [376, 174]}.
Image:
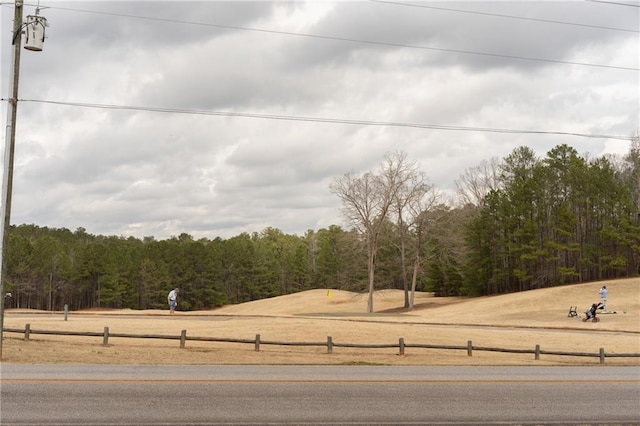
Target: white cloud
{"type": "Point", "coordinates": [140, 173]}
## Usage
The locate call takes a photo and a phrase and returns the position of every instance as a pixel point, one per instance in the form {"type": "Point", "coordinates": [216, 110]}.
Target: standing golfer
{"type": "Point", "coordinates": [172, 298]}
{"type": "Point", "coordinates": [603, 297]}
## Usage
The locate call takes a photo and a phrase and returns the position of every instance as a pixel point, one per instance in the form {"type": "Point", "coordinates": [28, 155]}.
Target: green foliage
{"type": "Point", "coordinates": [559, 219]}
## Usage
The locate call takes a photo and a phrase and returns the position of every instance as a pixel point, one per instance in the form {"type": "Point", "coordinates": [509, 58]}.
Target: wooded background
{"type": "Point", "coordinates": [518, 223]}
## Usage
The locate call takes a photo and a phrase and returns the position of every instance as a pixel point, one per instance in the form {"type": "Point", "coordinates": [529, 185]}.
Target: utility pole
{"type": "Point", "coordinates": [9, 149]}
{"type": "Point", "coordinates": [35, 37]}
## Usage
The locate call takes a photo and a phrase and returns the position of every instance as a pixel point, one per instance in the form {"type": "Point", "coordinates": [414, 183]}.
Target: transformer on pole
{"type": "Point", "coordinates": [34, 32]}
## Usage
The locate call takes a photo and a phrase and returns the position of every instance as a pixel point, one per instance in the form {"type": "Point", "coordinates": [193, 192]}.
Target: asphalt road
{"type": "Point", "coordinates": [116, 394]}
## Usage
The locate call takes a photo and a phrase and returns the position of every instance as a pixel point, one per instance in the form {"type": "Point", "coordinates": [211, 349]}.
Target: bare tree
{"type": "Point", "coordinates": [406, 206]}
{"type": "Point", "coordinates": [476, 182]}
{"type": "Point", "coordinates": [418, 209]}
{"type": "Point", "coordinates": [366, 201]}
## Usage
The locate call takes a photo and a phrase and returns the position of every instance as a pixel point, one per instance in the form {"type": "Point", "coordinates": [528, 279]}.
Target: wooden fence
{"type": "Point", "coordinates": [329, 343]}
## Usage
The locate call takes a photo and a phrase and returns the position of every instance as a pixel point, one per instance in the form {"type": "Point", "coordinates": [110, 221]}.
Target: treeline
{"type": "Point", "coordinates": [524, 222]}
{"type": "Point", "coordinates": [48, 268]}
{"type": "Point", "coordinates": [560, 219]}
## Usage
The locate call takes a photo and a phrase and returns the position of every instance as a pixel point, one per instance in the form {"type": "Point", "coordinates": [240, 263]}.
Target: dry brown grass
{"type": "Point", "coordinates": [515, 321]}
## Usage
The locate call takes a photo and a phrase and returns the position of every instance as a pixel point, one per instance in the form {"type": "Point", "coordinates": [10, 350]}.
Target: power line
{"type": "Point", "coordinates": [499, 15]}
{"type": "Point", "coordinates": [615, 3]}
{"type": "Point", "coordinates": [473, 12]}
{"type": "Point", "coordinates": [351, 40]}
{"type": "Point", "coordinates": [323, 119]}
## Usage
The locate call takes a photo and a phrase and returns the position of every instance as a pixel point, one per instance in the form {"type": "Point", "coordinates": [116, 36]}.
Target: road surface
{"type": "Point", "coordinates": [260, 394]}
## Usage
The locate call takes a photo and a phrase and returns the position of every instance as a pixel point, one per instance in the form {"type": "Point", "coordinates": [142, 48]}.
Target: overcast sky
{"type": "Point", "coordinates": [132, 172]}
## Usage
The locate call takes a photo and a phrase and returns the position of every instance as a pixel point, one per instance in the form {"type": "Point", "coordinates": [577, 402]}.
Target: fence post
{"type": "Point", "coordinates": [105, 337]}
{"type": "Point", "coordinates": [401, 345]}
{"type": "Point", "coordinates": [27, 331]}
{"type": "Point", "coordinates": [183, 338]}
{"type": "Point", "coordinates": [66, 311]}
{"type": "Point", "coordinates": [601, 355]}
{"type": "Point", "coordinates": [257, 343]}
{"type": "Point", "coordinates": [329, 345]}
{"type": "Point", "coordinates": [469, 348]}
{"type": "Point", "coordinates": [537, 352]}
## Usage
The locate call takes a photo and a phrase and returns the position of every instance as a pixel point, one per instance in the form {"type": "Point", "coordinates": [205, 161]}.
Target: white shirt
{"type": "Point", "coordinates": [172, 295]}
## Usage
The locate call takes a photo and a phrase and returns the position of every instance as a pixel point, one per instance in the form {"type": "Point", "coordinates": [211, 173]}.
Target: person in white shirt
{"type": "Point", "coordinates": [172, 298]}
{"type": "Point", "coordinates": [603, 297]}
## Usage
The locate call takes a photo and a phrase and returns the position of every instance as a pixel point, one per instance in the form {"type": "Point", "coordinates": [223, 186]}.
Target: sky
{"type": "Point", "coordinates": [157, 118]}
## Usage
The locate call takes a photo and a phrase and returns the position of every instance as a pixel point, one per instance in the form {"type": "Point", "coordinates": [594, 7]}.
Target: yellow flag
{"type": "Point", "coordinates": [329, 294]}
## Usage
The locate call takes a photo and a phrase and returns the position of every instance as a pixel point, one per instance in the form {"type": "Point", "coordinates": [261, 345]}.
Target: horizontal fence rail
{"type": "Point", "coordinates": [329, 344]}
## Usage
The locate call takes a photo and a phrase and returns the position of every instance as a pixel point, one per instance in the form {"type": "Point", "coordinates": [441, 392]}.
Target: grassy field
{"type": "Point", "coordinates": [515, 321]}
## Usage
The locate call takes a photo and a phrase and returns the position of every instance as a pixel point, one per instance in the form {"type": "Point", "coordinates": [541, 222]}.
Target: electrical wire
{"type": "Point", "coordinates": [352, 40]}
{"type": "Point", "coordinates": [397, 3]}
{"type": "Point", "coordinates": [499, 15]}
{"type": "Point", "coordinates": [343, 121]}
{"type": "Point", "coordinates": [322, 119]}
{"type": "Point", "coordinates": [615, 3]}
